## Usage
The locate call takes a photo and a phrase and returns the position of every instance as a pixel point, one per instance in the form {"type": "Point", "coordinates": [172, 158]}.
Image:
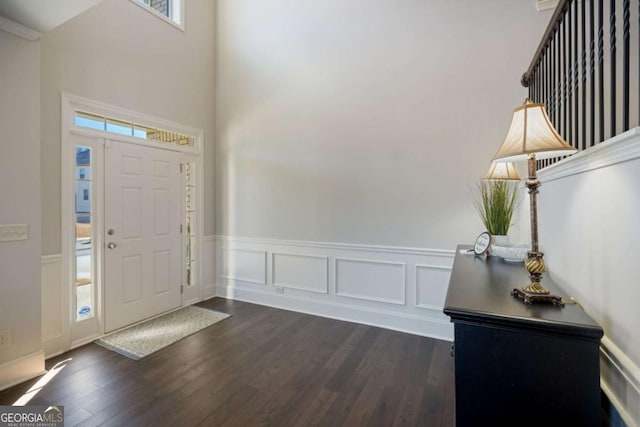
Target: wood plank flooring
{"type": "Point", "coordinates": [262, 366]}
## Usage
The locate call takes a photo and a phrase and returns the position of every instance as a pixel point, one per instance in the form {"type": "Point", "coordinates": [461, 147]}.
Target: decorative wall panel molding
{"type": "Point", "coordinates": [431, 285]}
{"type": "Point", "coordinates": [304, 272]}
{"type": "Point", "coordinates": [245, 265]}
{"type": "Point", "coordinates": [391, 287]}
{"type": "Point", "coordinates": [371, 280]}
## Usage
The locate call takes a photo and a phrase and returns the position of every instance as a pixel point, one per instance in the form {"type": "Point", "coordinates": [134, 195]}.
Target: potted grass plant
{"type": "Point", "coordinates": [496, 204]}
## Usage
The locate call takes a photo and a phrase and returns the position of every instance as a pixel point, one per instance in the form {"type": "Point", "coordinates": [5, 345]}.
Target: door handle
{"type": "Point", "coordinates": [111, 245]}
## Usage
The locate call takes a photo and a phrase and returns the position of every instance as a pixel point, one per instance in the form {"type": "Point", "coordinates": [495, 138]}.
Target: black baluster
{"type": "Point", "coordinates": [569, 60]}
{"type": "Point", "coordinates": [547, 74]}
{"type": "Point", "coordinates": [625, 65]}
{"type": "Point", "coordinates": [552, 77]}
{"type": "Point", "coordinates": [584, 76]}
{"type": "Point", "coordinates": [540, 76]}
{"type": "Point", "coordinates": [539, 83]}
{"type": "Point", "coordinates": [550, 82]}
{"type": "Point", "coordinates": [612, 41]}
{"type": "Point", "coordinates": [556, 77]}
{"type": "Point", "coordinates": [592, 82]}
{"type": "Point", "coordinates": [601, 69]}
{"type": "Point", "coordinates": [576, 78]}
{"type": "Point", "coordinates": [535, 84]}
{"type": "Point", "coordinates": [564, 80]}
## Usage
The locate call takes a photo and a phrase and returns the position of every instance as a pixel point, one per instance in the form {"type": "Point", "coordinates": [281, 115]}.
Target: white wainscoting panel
{"type": "Point", "coordinates": [208, 267]}
{"type": "Point", "coordinates": [245, 265]}
{"type": "Point", "coordinates": [391, 287]}
{"type": "Point", "coordinates": [304, 272]}
{"type": "Point", "coordinates": [371, 280]}
{"type": "Point", "coordinates": [620, 380]}
{"type": "Point", "coordinates": [597, 189]}
{"type": "Point", "coordinates": [55, 306]}
{"type": "Point", "coordinates": [432, 282]}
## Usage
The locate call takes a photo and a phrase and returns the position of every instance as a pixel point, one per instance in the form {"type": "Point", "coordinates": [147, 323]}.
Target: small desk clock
{"type": "Point", "coordinates": [482, 243]}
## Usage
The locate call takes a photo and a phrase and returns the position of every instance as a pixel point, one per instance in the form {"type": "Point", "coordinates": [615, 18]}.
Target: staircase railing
{"type": "Point", "coordinates": [590, 89]}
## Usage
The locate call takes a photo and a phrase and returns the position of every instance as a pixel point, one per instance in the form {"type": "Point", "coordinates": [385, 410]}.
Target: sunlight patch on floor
{"type": "Point", "coordinates": [40, 384]}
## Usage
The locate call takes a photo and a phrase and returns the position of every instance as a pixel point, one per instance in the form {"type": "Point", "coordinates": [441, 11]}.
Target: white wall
{"type": "Point", "coordinates": [350, 137]}
{"type": "Point", "coordinates": [119, 54]}
{"type": "Point", "coordinates": [20, 201]}
{"type": "Point", "coordinates": [367, 121]}
{"type": "Point", "coordinates": [589, 231]}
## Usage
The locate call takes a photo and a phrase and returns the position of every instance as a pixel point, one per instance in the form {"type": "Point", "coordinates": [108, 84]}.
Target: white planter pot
{"type": "Point", "coordinates": [501, 247]}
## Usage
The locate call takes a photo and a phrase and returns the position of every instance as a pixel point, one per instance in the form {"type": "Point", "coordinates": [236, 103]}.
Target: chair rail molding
{"type": "Point", "coordinates": [621, 148]}
{"type": "Point", "coordinates": [370, 284]}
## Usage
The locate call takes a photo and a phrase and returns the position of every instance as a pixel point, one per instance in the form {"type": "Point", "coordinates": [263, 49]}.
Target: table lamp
{"type": "Point", "coordinates": [501, 171]}
{"type": "Point", "coordinates": [531, 137]}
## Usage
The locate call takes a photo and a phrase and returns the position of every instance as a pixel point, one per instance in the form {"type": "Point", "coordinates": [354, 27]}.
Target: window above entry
{"type": "Point", "coordinates": [87, 120]}
{"type": "Point", "coordinates": [171, 11]}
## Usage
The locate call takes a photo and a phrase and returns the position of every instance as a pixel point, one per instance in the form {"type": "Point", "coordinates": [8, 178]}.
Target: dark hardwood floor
{"type": "Point", "coordinates": [262, 366]}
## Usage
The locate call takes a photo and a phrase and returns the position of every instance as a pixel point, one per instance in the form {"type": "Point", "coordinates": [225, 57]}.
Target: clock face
{"type": "Point", "coordinates": [482, 243]}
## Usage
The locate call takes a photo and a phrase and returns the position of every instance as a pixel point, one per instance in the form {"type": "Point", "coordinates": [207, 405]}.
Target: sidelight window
{"type": "Point", "coordinates": [84, 248]}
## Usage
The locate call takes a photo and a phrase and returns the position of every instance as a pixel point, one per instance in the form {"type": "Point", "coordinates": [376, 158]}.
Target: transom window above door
{"type": "Point", "coordinates": [123, 127]}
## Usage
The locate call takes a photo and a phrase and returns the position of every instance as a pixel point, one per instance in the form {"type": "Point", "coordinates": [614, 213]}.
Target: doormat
{"type": "Point", "coordinates": [148, 337]}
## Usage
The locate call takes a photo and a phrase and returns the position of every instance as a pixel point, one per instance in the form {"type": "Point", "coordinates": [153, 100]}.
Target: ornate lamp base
{"type": "Point", "coordinates": [535, 297]}
{"type": "Point", "coordinates": [534, 292]}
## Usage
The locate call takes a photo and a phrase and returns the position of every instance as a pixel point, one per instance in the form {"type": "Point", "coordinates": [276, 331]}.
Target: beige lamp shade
{"type": "Point", "coordinates": [531, 132]}
{"type": "Point", "coordinates": [502, 171]}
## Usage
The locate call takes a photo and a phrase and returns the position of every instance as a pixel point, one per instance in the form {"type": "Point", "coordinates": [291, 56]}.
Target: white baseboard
{"type": "Point", "coordinates": [391, 287]}
{"type": "Point", "coordinates": [409, 323]}
{"type": "Point", "coordinates": [22, 369]}
{"type": "Point", "coordinates": [620, 380]}
{"type": "Point", "coordinates": [209, 292]}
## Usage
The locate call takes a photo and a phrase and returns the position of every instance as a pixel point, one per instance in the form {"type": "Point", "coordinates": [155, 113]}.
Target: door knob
{"type": "Point", "coordinates": [111, 245]}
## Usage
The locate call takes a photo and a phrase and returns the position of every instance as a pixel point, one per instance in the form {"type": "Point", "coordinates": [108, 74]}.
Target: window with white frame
{"type": "Point", "coordinates": [123, 127]}
{"type": "Point", "coordinates": [171, 11]}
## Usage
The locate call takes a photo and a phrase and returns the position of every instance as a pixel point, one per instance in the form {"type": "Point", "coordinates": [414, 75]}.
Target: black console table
{"type": "Point", "coordinates": [518, 364]}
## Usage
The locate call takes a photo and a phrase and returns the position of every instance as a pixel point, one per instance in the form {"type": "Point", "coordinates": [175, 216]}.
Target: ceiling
{"type": "Point", "coordinates": [43, 15]}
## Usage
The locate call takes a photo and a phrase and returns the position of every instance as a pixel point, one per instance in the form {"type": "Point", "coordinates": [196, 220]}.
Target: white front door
{"type": "Point", "coordinates": [142, 233]}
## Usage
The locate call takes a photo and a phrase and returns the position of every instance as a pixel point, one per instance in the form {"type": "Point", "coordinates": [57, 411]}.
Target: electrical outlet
{"type": "Point", "coordinates": [5, 338]}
